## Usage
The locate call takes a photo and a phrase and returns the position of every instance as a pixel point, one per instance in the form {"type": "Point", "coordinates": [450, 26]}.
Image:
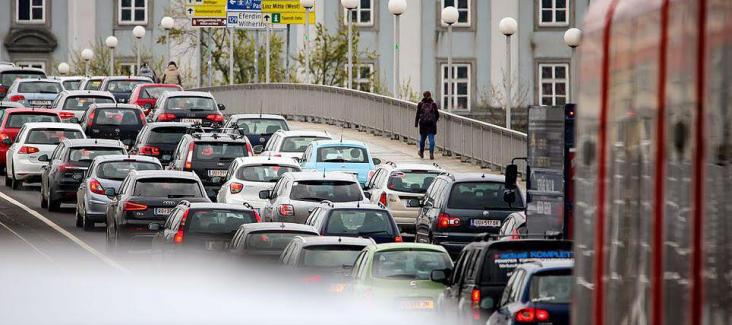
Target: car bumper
{"type": "Point", "coordinates": [24, 169]}
{"type": "Point", "coordinates": [240, 200]}
{"type": "Point", "coordinates": [95, 205]}
{"type": "Point", "coordinates": [65, 192]}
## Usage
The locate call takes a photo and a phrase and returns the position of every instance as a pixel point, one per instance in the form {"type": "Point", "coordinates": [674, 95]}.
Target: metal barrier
{"type": "Point", "coordinates": [472, 141]}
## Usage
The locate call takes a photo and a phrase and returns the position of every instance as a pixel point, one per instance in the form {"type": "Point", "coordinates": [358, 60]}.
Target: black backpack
{"type": "Point", "coordinates": [429, 112]}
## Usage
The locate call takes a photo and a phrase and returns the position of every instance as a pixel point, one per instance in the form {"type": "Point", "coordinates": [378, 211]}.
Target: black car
{"type": "Point", "coordinates": [462, 208]}
{"type": "Point", "coordinates": [209, 155]}
{"type": "Point", "coordinates": [122, 87]}
{"type": "Point", "coordinates": [188, 106]}
{"type": "Point", "coordinates": [146, 197]}
{"type": "Point", "coordinates": [258, 128]}
{"type": "Point", "coordinates": [267, 240]}
{"type": "Point", "coordinates": [113, 121]}
{"type": "Point", "coordinates": [476, 283]}
{"type": "Point", "coordinates": [202, 227]}
{"type": "Point", "coordinates": [159, 140]}
{"type": "Point", "coordinates": [355, 220]}
{"type": "Point", "coordinates": [65, 169]}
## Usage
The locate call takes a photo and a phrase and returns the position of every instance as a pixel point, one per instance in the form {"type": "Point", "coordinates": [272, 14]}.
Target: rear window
{"type": "Point", "coordinates": [330, 256]}
{"type": "Point", "coordinates": [52, 136]}
{"type": "Point", "coordinates": [271, 241]}
{"type": "Point", "coordinates": [123, 86]}
{"type": "Point", "coordinates": [502, 258]}
{"type": "Point", "coordinates": [166, 135]}
{"type": "Point", "coordinates": [81, 103]}
{"type": "Point", "coordinates": [342, 154]}
{"type": "Point", "coordinates": [7, 78]}
{"type": "Point", "coordinates": [411, 181]}
{"type": "Point", "coordinates": [263, 173]}
{"type": "Point", "coordinates": [479, 196]}
{"type": "Point", "coordinates": [359, 222]}
{"type": "Point", "coordinates": [71, 84]}
{"type": "Point", "coordinates": [16, 120]}
{"type": "Point", "coordinates": [118, 170]}
{"type": "Point", "coordinates": [409, 265]}
{"type": "Point", "coordinates": [117, 116]}
{"type": "Point", "coordinates": [167, 187]}
{"type": "Point", "coordinates": [156, 92]}
{"type": "Point", "coordinates": [261, 126]}
{"type": "Point", "coordinates": [553, 287]}
{"type": "Point", "coordinates": [190, 104]}
{"type": "Point", "coordinates": [93, 85]}
{"type": "Point", "coordinates": [334, 191]}
{"type": "Point", "coordinates": [42, 87]}
{"type": "Point", "coordinates": [219, 150]}
{"type": "Point", "coordinates": [298, 144]}
{"type": "Point", "coordinates": [86, 155]}
{"type": "Point", "coordinates": [219, 221]}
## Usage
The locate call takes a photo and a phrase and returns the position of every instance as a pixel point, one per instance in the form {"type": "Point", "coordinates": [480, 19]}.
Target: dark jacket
{"type": "Point", "coordinates": [426, 127]}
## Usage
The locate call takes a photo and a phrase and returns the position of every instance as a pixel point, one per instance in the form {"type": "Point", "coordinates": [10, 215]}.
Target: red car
{"type": "Point", "coordinates": [146, 95]}
{"type": "Point", "coordinates": [12, 119]}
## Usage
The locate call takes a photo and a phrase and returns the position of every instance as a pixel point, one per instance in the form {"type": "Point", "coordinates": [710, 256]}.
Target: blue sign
{"type": "Point", "coordinates": [244, 5]}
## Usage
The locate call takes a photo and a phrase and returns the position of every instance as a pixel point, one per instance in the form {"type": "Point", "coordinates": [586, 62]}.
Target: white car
{"type": "Point", "coordinates": [35, 140]}
{"type": "Point", "coordinates": [71, 82]}
{"type": "Point", "coordinates": [292, 144]}
{"type": "Point", "coordinates": [74, 103]}
{"type": "Point", "coordinates": [248, 176]}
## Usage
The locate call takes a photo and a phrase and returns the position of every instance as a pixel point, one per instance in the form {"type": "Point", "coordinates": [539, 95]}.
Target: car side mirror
{"type": "Point", "coordinates": [425, 204]}
{"type": "Point", "coordinates": [7, 141]}
{"type": "Point", "coordinates": [222, 107]}
{"type": "Point", "coordinates": [258, 149]}
{"type": "Point", "coordinates": [487, 303]}
{"type": "Point", "coordinates": [74, 120]}
{"type": "Point", "coordinates": [264, 195]}
{"type": "Point", "coordinates": [298, 160]}
{"type": "Point", "coordinates": [439, 276]}
{"type": "Point", "coordinates": [43, 158]}
{"type": "Point", "coordinates": [110, 192]}
{"type": "Point", "coordinates": [367, 194]}
{"type": "Point", "coordinates": [153, 227]}
{"type": "Point", "coordinates": [511, 176]}
{"type": "Point", "coordinates": [242, 131]}
{"type": "Point", "coordinates": [509, 196]}
{"type": "Point", "coordinates": [376, 161]}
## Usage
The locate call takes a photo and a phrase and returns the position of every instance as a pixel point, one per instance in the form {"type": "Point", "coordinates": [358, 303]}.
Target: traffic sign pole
{"type": "Point", "coordinates": [307, 46]}
{"type": "Point", "coordinates": [350, 49]}
{"type": "Point", "coordinates": [231, 56]}
{"type": "Point", "coordinates": [267, 59]}
{"type": "Point", "coordinates": [256, 56]}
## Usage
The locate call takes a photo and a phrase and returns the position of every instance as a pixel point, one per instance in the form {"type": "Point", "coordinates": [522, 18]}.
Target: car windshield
{"type": "Point", "coordinates": [411, 181]}
{"type": "Point", "coordinates": [166, 135]}
{"type": "Point", "coordinates": [9, 77]}
{"type": "Point", "coordinates": [123, 86]}
{"type": "Point", "coordinates": [219, 221]}
{"type": "Point", "coordinates": [409, 265]}
{"type": "Point", "coordinates": [16, 120]}
{"type": "Point", "coordinates": [503, 257]}
{"type": "Point", "coordinates": [81, 103]}
{"type": "Point", "coordinates": [334, 191]}
{"type": "Point", "coordinates": [219, 150]}
{"type": "Point", "coordinates": [330, 256]}
{"type": "Point", "coordinates": [261, 126]}
{"type": "Point", "coordinates": [190, 104]}
{"type": "Point", "coordinates": [117, 116]}
{"type": "Point", "coordinates": [553, 287]}
{"type": "Point", "coordinates": [52, 136]}
{"type": "Point", "coordinates": [118, 170]}
{"type": "Point", "coordinates": [42, 87]}
{"type": "Point", "coordinates": [156, 91]}
{"type": "Point", "coordinates": [71, 84]}
{"type": "Point", "coordinates": [479, 196]}
{"type": "Point", "coordinates": [167, 187]}
{"type": "Point", "coordinates": [271, 241]}
{"type": "Point", "coordinates": [342, 154]}
{"type": "Point", "coordinates": [359, 222]}
{"type": "Point", "coordinates": [85, 155]}
{"type": "Point", "coordinates": [93, 84]}
{"type": "Point", "coordinates": [263, 173]}
{"type": "Point", "coordinates": [298, 144]}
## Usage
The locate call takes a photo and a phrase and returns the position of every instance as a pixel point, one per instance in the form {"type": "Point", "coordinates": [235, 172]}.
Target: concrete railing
{"type": "Point", "coordinates": [473, 141]}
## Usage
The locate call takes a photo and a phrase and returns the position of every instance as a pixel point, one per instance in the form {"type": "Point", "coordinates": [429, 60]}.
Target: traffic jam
{"type": "Point", "coordinates": [168, 175]}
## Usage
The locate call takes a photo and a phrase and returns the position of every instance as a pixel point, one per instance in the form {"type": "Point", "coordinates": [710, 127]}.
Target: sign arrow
{"type": "Point", "coordinates": [190, 11]}
{"type": "Point", "coordinates": [266, 17]}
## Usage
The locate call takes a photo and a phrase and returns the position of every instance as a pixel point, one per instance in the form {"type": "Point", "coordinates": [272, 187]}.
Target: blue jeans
{"type": "Point", "coordinates": [423, 138]}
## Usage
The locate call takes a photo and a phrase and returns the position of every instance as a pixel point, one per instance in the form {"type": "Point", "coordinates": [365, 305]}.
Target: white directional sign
{"type": "Point", "coordinates": [245, 20]}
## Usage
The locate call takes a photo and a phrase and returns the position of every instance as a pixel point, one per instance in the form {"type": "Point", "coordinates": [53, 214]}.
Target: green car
{"type": "Point", "coordinates": [398, 275]}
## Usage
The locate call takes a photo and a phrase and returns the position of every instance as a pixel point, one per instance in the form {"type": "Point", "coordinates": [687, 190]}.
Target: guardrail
{"type": "Point", "coordinates": [470, 140]}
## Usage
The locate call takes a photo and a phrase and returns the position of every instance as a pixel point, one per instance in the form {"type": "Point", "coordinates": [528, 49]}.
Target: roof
{"type": "Point", "coordinates": [56, 125]}
{"type": "Point", "coordinates": [22, 109]}
{"type": "Point", "coordinates": [111, 78]}
{"type": "Point", "coordinates": [14, 68]}
{"type": "Point", "coordinates": [408, 246]}
{"type": "Point", "coordinates": [258, 160]}
{"type": "Point", "coordinates": [163, 173]}
{"type": "Point", "coordinates": [153, 125]}
{"type": "Point", "coordinates": [353, 206]}
{"type": "Point", "coordinates": [115, 105]}
{"type": "Point", "coordinates": [281, 226]}
{"type": "Point", "coordinates": [220, 137]}
{"type": "Point", "coordinates": [515, 242]}
{"type": "Point", "coordinates": [257, 116]}
{"type": "Point", "coordinates": [412, 166]}
{"type": "Point", "coordinates": [107, 158]}
{"type": "Point", "coordinates": [187, 94]}
{"type": "Point", "coordinates": [86, 92]}
{"type": "Point", "coordinates": [317, 175]}
{"type": "Point", "coordinates": [337, 142]}
{"type": "Point", "coordinates": [38, 80]}
{"type": "Point", "coordinates": [463, 177]}
{"type": "Point", "coordinates": [335, 240]}
{"type": "Point", "coordinates": [208, 205]}
{"type": "Point", "coordinates": [65, 78]}
{"type": "Point", "coordinates": [158, 85]}
{"type": "Point", "coordinates": [93, 142]}
{"type": "Point", "coordinates": [304, 133]}
{"type": "Point", "coordinates": [546, 265]}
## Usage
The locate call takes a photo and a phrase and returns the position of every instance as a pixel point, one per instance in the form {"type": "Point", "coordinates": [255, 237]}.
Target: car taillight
{"type": "Point", "coordinates": [91, 119]}
{"type": "Point", "coordinates": [165, 117]}
{"type": "Point", "coordinates": [65, 167]}
{"type": "Point", "coordinates": [17, 98]}
{"type": "Point", "coordinates": [28, 150]}
{"type": "Point", "coordinates": [382, 199]}
{"type": "Point", "coordinates": [286, 210]}
{"type": "Point", "coordinates": [189, 157]}
{"type": "Point", "coordinates": [236, 187]}
{"type": "Point", "coordinates": [250, 152]}
{"type": "Point", "coordinates": [134, 206]}
{"type": "Point", "coordinates": [475, 296]}
{"type": "Point", "coordinates": [215, 118]}
{"type": "Point", "coordinates": [398, 239]}
{"type": "Point", "coordinates": [178, 239]}
{"type": "Point", "coordinates": [149, 151]}
{"type": "Point", "coordinates": [95, 186]}
{"type": "Point", "coordinates": [257, 217]}
{"type": "Point", "coordinates": [445, 221]}
{"type": "Point", "coordinates": [530, 315]}
{"type": "Point", "coordinates": [65, 115]}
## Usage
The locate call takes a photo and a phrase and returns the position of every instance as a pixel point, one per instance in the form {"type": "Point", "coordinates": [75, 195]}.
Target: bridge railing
{"type": "Point", "coordinates": [473, 141]}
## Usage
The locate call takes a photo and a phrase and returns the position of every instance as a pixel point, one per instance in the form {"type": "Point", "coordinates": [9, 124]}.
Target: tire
{"type": "Point", "coordinates": [86, 224]}
{"type": "Point", "coordinates": [8, 181]}
{"type": "Point", "coordinates": [14, 184]}
{"type": "Point", "coordinates": [79, 220]}
{"type": "Point", "coordinates": [53, 205]}
{"type": "Point", "coordinates": [3, 171]}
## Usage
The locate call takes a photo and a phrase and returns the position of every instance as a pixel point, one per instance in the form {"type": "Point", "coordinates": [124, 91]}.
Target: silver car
{"type": "Point", "coordinates": [34, 92]}
{"type": "Point", "coordinates": [296, 194]}
{"type": "Point", "coordinates": [106, 172]}
{"type": "Point", "coordinates": [74, 103]}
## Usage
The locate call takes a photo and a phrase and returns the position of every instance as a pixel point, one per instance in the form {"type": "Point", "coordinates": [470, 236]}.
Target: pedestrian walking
{"type": "Point", "coordinates": [171, 75]}
{"type": "Point", "coordinates": [145, 71]}
{"type": "Point", "coordinates": [426, 119]}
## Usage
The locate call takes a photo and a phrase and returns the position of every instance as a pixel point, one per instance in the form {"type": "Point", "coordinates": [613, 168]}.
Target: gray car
{"type": "Point", "coordinates": [103, 173]}
{"type": "Point", "coordinates": [34, 92]}
{"type": "Point", "coordinates": [296, 194]}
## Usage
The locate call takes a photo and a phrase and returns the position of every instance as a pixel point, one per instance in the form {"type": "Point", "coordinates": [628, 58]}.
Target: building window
{"type": "Point", "coordinates": [132, 12]}
{"type": "Point", "coordinates": [463, 7]}
{"type": "Point", "coordinates": [553, 84]}
{"type": "Point", "coordinates": [30, 11]}
{"type": "Point", "coordinates": [29, 64]}
{"type": "Point", "coordinates": [460, 86]}
{"type": "Point", "coordinates": [363, 77]}
{"type": "Point", "coordinates": [127, 69]}
{"type": "Point", "coordinates": [363, 15]}
{"type": "Point", "coordinates": [554, 13]}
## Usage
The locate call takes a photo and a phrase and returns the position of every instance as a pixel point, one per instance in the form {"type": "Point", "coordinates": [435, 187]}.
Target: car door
{"type": "Point", "coordinates": [448, 301]}
{"type": "Point", "coordinates": [269, 206]}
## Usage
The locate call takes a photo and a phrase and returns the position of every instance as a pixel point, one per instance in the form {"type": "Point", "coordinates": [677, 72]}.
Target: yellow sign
{"type": "Point", "coordinates": [283, 6]}
{"type": "Point", "coordinates": [206, 8]}
{"type": "Point", "coordinates": [293, 18]}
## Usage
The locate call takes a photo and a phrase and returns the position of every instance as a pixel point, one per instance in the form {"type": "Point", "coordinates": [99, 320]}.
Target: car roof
{"type": "Point", "coordinates": [30, 110]}
{"type": "Point", "coordinates": [408, 246]}
{"type": "Point", "coordinates": [352, 206]}
{"type": "Point", "coordinates": [186, 93]}
{"type": "Point", "coordinates": [114, 78]}
{"type": "Point", "coordinates": [411, 166]}
{"type": "Point", "coordinates": [93, 142]}
{"type": "Point", "coordinates": [152, 84]}
{"type": "Point", "coordinates": [282, 226]}
{"type": "Point", "coordinates": [257, 116]}
{"type": "Point", "coordinates": [153, 125]}
{"type": "Point", "coordinates": [163, 173]}
{"type": "Point", "coordinates": [476, 177]}
{"type": "Point", "coordinates": [24, 80]}
{"type": "Point", "coordinates": [508, 243]}
{"type": "Point", "coordinates": [107, 158]}
{"type": "Point", "coordinates": [547, 265]}
{"type": "Point", "coordinates": [56, 125]}
{"type": "Point", "coordinates": [304, 133]}
{"type": "Point", "coordinates": [115, 105]}
{"type": "Point", "coordinates": [66, 78]}
{"type": "Point", "coordinates": [218, 137]}
{"type": "Point", "coordinates": [17, 69]}
{"type": "Point", "coordinates": [317, 175]}
{"type": "Point", "coordinates": [86, 92]}
{"type": "Point", "coordinates": [258, 160]}
{"type": "Point", "coordinates": [335, 240]}
{"type": "Point", "coordinates": [209, 205]}
{"type": "Point", "coordinates": [334, 142]}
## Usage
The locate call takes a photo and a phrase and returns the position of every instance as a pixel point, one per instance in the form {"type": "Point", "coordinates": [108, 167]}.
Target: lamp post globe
{"type": "Point", "coordinates": [111, 42]}
{"type": "Point", "coordinates": [63, 68]}
{"type": "Point", "coordinates": [508, 26]}
{"type": "Point", "coordinates": [167, 23]}
{"type": "Point", "coordinates": [307, 4]}
{"type": "Point", "coordinates": [573, 37]}
{"type": "Point", "coordinates": [450, 15]}
{"type": "Point", "coordinates": [138, 32]}
{"type": "Point", "coordinates": [397, 7]}
{"type": "Point", "coordinates": [349, 4]}
{"type": "Point", "coordinates": [87, 54]}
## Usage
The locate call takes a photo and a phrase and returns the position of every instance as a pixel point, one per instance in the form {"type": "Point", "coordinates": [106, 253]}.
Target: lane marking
{"type": "Point", "coordinates": [29, 243]}
{"type": "Point", "coordinates": [64, 232]}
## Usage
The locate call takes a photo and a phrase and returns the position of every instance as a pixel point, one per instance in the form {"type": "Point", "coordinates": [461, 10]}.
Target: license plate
{"type": "Point", "coordinates": [163, 211]}
{"type": "Point", "coordinates": [40, 102]}
{"type": "Point", "coordinates": [215, 245]}
{"type": "Point", "coordinates": [417, 304]}
{"type": "Point", "coordinates": [217, 173]}
{"type": "Point", "coordinates": [485, 223]}
{"type": "Point", "coordinates": [191, 120]}
{"type": "Point", "coordinates": [411, 203]}
{"type": "Point", "coordinates": [166, 157]}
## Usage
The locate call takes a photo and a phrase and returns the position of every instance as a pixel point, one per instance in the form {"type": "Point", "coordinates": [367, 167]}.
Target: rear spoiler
{"type": "Point", "coordinates": [549, 234]}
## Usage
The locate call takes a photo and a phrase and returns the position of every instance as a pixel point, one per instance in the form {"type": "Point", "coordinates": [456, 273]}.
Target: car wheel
{"type": "Point", "coordinates": [79, 221]}
{"type": "Point", "coordinates": [8, 181]}
{"type": "Point", "coordinates": [44, 202]}
{"type": "Point", "coordinates": [53, 205]}
{"type": "Point", "coordinates": [3, 171]}
{"type": "Point", "coordinates": [86, 224]}
{"type": "Point", "coordinates": [14, 184]}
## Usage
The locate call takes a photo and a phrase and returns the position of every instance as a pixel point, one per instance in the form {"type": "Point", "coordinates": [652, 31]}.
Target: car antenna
{"type": "Point", "coordinates": [358, 204]}
{"type": "Point", "coordinates": [339, 239]}
{"type": "Point", "coordinates": [260, 109]}
{"type": "Point", "coordinates": [483, 176]}
{"type": "Point", "coordinates": [96, 141]}
{"type": "Point", "coordinates": [341, 137]}
{"type": "Point", "coordinates": [323, 172]}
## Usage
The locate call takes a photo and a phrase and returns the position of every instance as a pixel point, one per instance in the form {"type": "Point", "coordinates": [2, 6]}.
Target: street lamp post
{"type": "Point", "coordinates": [111, 43]}
{"type": "Point", "coordinates": [308, 5]}
{"type": "Point", "coordinates": [573, 38]}
{"type": "Point", "coordinates": [508, 26]}
{"type": "Point", "coordinates": [397, 8]}
{"type": "Point", "coordinates": [167, 24]}
{"type": "Point", "coordinates": [87, 55]}
{"type": "Point", "coordinates": [63, 68]}
{"type": "Point", "coordinates": [139, 33]}
{"type": "Point", "coordinates": [450, 16]}
{"type": "Point", "coordinates": [350, 5]}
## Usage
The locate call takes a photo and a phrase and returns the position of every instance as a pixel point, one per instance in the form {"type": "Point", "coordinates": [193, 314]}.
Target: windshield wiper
{"type": "Point", "coordinates": [173, 196]}
{"type": "Point", "coordinates": [373, 232]}
{"type": "Point", "coordinates": [310, 199]}
{"type": "Point", "coordinates": [334, 160]}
